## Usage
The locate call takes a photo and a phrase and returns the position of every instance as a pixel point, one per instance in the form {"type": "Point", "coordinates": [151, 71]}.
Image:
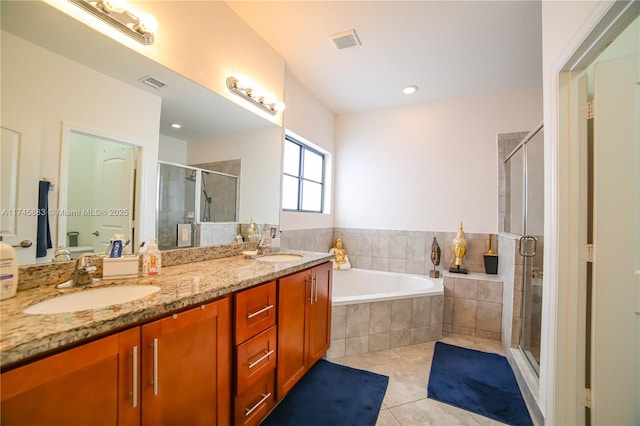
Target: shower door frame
{"type": "Point", "coordinates": [527, 247]}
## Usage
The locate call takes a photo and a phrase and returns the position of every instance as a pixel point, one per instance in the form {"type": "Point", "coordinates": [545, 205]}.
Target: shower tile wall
{"type": "Point", "coordinates": [177, 201]}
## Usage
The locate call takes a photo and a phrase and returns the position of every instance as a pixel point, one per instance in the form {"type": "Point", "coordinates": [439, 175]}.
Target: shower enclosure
{"type": "Point", "coordinates": [195, 197]}
{"type": "Point", "coordinates": [524, 174]}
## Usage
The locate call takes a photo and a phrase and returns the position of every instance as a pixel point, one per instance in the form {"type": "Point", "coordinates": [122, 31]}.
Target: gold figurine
{"type": "Point", "coordinates": [459, 250]}
{"type": "Point", "coordinates": [340, 257]}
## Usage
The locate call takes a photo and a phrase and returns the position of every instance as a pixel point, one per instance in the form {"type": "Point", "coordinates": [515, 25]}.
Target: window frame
{"type": "Point", "coordinates": [300, 177]}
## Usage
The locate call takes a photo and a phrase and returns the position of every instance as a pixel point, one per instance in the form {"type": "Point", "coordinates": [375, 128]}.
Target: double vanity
{"type": "Point", "coordinates": [217, 341]}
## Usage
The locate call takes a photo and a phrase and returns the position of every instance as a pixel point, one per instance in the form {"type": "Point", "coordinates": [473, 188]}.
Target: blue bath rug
{"type": "Point", "coordinates": [331, 395]}
{"type": "Point", "coordinates": [477, 381]}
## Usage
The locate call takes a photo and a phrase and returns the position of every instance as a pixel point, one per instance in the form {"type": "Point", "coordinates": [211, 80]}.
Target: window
{"type": "Point", "coordinates": [303, 177]}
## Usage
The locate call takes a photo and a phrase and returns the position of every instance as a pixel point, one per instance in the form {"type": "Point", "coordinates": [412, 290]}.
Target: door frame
{"type": "Point", "coordinates": [561, 387]}
{"type": "Point", "coordinates": [67, 129]}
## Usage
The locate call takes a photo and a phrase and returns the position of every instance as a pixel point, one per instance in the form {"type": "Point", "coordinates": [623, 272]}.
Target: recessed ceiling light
{"type": "Point", "coordinates": [176, 125]}
{"type": "Point", "coordinates": [407, 90]}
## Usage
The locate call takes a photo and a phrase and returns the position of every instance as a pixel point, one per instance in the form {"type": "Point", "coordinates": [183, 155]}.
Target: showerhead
{"type": "Point", "coordinates": [192, 177]}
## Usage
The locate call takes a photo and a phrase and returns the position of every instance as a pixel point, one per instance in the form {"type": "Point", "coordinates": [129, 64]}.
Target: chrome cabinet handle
{"type": "Point", "coordinates": [248, 411]}
{"type": "Point", "coordinates": [522, 245]}
{"type": "Point", "coordinates": [155, 367]}
{"type": "Point", "coordinates": [265, 309]}
{"type": "Point", "coordinates": [262, 358]}
{"type": "Point", "coordinates": [315, 288]}
{"type": "Point", "coordinates": [135, 377]}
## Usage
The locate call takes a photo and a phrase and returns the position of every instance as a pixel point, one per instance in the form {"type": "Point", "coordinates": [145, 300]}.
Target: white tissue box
{"type": "Point", "coordinates": [120, 267]}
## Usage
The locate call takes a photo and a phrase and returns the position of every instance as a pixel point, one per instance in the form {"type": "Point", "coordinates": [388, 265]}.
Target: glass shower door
{"type": "Point", "coordinates": [532, 248]}
{"type": "Point", "coordinates": [524, 216]}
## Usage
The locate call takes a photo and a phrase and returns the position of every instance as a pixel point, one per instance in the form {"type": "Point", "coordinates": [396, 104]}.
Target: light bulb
{"type": "Point", "coordinates": [278, 106]}
{"type": "Point", "coordinates": [110, 6]}
{"type": "Point", "coordinates": [408, 90]}
{"type": "Point", "coordinates": [147, 23]}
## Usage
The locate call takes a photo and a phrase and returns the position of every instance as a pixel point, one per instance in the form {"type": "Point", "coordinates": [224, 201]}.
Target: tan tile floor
{"type": "Point", "coordinates": [406, 402]}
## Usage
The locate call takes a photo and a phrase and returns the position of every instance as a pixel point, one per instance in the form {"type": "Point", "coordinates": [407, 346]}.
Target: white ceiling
{"type": "Point", "coordinates": [447, 48]}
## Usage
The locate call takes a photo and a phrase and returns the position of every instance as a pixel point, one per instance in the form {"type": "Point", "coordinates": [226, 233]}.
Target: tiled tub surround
{"type": "Point", "coordinates": [389, 250]}
{"type": "Point", "coordinates": [181, 285]}
{"type": "Point", "coordinates": [384, 320]}
{"type": "Point", "coordinates": [473, 305]}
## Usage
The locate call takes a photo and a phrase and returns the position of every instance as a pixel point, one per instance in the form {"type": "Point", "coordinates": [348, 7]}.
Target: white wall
{"type": "Point", "coordinates": [308, 118]}
{"type": "Point", "coordinates": [50, 90]}
{"type": "Point", "coordinates": [172, 150]}
{"type": "Point", "coordinates": [427, 167]}
{"type": "Point", "coordinates": [261, 154]}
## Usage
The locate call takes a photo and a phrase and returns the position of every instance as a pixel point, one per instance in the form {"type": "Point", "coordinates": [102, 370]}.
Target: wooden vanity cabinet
{"type": "Point", "coordinates": [171, 371]}
{"type": "Point", "coordinates": [255, 353]}
{"type": "Point", "coordinates": [186, 360]}
{"type": "Point", "coordinates": [304, 323]}
{"type": "Point", "coordinates": [92, 384]}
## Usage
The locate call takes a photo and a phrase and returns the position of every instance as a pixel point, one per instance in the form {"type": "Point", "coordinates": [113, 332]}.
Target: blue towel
{"type": "Point", "coordinates": [44, 232]}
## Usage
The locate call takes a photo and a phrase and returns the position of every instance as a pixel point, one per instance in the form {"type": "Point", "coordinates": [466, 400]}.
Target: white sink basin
{"type": "Point", "coordinates": [91, 299]}
{"type": "Point", "coordinates": [284, 257]}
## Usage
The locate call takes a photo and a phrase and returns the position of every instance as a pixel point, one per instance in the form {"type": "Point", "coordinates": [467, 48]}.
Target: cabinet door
{"type": "Point", "coordinates": [293, 293]}
{"type": "Point", "coordinates": [319, 313]}
{"type": "Point", "coordinates": [186, 362]}
{"type": "Point", "coordinates": [75, 387]}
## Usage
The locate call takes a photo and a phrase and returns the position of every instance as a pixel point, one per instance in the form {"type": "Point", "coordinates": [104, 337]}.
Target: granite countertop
{"type": "Point", "coordinates": [23, 336]}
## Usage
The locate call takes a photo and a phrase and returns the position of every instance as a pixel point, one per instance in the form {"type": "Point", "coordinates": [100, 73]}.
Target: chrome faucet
{"type": "Point", "coordinates": [83, 273]}
{"type": "Point", "coordinates": [264, 246]}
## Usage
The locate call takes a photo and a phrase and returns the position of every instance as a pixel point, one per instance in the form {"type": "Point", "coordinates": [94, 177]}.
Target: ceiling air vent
{"type": "Point", "coordinates": [345, 39]}
{"type": "Point", "coordinates": [153, 82]}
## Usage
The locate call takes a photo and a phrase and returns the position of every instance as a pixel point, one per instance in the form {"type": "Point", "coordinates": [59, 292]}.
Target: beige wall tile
{"type": "Point", "coordinates": [420, 335]}
{"type": "Point", "coordinates": [465, 288]}
{"type": "Point", "coordinates": [447, 311]}
{"type": "Point", "coordinates": [464, 312]}
{"type": "Point", "coordinates": [437, 310]}
{"type": "Point", "coordinates": [337, 348]}
{"type": "Point", "coordinates": [379, 342]}
{"type": "Point", "coordinates": [489, 317]}
{"type": "Point", "coordinates": [420, 311]}
{"type": "Point", "coordinates": [401, 314]}
{"type": "Point", "coordinates": [380, 317]}
{"type": "Point", "coordinates": [357, 345]}
{"type": "Point", "coordinates": [490, 291]}
{"type": "Point", "coordinates": [358, 320]}
{"type": "Point", "coordinates": [339, 322]}
{"type": "Point", "coordinates": [400, 338]}
{"type": "Point", "coordinates": [449, 284]}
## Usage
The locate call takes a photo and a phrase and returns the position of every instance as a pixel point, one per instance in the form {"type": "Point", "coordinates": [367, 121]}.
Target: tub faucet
{"type": "Point", "coordinates": [82, 275]}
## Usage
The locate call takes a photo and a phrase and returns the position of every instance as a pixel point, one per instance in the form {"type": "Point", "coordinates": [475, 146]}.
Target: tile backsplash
{"type": "Point", "coordinates": [390, 250]}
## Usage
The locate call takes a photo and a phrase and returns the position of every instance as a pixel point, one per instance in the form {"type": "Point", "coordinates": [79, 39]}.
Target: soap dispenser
{"type": "Point", "coordinates": [152, 259]}
{"type": "Point", "coordinates": [8, 271]}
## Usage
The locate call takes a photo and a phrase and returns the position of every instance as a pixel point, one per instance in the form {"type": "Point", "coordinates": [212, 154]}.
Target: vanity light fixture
{"type": "Point", "coordinates": [138, 26]}
{"type": "Point", "coordinates": [408, 90]}
{"type": "Point", "coordinates": [271, 106]}
{"type": "Point", "coordinates": [176, 125]}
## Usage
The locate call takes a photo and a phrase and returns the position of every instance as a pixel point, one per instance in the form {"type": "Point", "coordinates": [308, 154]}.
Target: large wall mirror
{"type": "Point", "coordinates": [51, 77]}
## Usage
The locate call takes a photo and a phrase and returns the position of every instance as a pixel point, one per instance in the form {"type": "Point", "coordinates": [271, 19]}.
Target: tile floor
{"type": "Point", "coordinates": [406, 402]}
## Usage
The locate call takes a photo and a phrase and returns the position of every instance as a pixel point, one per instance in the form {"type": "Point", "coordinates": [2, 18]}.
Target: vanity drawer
{"type": "Point", "coordinates": [255, 311]}
{"type": "Point", "coordinates": [255, 358]}
{"type": "Point", "coordinates": [252, 406]}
